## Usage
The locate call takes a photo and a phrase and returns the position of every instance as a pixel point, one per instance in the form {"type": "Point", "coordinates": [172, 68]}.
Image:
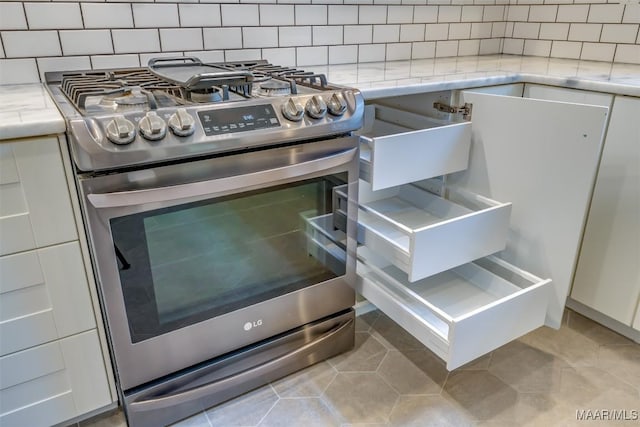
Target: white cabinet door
{"type": "Point", "coordinates": [608, 273]}
{"type": "Point", "coordinates": [43, 296]}
{"type": "Point", "coordinates": [541, 156]}
{"type": "Point", "coordinates": [35, 209]}
{"type": "Point", "coordinates": [53, 382]}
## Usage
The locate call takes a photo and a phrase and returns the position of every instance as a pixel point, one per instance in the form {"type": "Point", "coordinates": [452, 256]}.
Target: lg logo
{"type": "Point", "coordinates": [249, 325]}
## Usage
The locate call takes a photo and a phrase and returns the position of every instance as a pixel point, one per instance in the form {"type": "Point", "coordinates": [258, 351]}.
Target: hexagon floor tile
{"type": "Point", "coordinates": [390, 379]}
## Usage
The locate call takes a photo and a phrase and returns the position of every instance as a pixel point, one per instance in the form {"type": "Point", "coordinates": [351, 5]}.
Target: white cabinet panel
{"type": "Point", "coordinates": [551, 93]}
{"type": "Point", "coordinates": [34, 174]}
{"type": "Point", "coordinates": [608, 273]}
{"type": "Point", "coordinates": [636, 322]}
{"type": "Point", "coordinates": [541, 156]}
{"type": "Point", "coordinates": [30, 364]}
{"type": "Point", "coordinates": [26, 331]}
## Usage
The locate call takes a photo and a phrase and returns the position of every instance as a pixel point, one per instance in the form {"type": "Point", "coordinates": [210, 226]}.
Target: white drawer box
{"type": "Point", "coordinates": [398, 147]}
{"type": "Point", "coordinates": [459, 314]}
{"type": "Point", "coordinates": [424, 234]}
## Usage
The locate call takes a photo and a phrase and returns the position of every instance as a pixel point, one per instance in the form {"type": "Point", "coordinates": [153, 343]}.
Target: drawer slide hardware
{"type": "Point", "coordinates": [465, 110]}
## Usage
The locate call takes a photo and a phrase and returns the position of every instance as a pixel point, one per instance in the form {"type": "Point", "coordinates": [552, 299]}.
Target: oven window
{"type": "Point", "coordinates": [184, 264]}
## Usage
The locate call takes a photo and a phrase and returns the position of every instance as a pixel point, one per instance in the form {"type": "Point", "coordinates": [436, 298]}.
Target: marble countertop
{"type": "Point", "coordinates": [383, 79]}
{"type": "Point", "coordinates": [27, 110]}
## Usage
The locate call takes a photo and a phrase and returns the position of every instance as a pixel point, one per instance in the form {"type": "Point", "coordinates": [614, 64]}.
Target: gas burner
{"type": "Point", "coordinates": [134, 97]}
{"type": "Point", "coordinates": [213, 94]}
{"type": "Point", "coordinates": [274, 87]}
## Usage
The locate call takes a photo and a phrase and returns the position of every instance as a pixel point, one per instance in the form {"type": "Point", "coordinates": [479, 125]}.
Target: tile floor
{"type": "Point", "coordinates": [390, 379]}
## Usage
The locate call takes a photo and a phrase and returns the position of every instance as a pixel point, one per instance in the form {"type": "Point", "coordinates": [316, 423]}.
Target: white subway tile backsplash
{"type": "Point", "coordinates": [207, 55]}
{"type": "Point", "coordinates": [493, 13]}
{"type": "Point", "coordinates": [386, 33]}
{"type": "Point", "coordinates": [27, 44]}
{"type": "Point", "coordinates": [172, 39]}
{"type": "Point", "coordinates": [398, 51]}
{"type": "Point", "coordinates": [423, 50]}
{"type": "Point", "coordinates": [411, 32]}
{"type": "Point", "coordinates": [490, 46]}
{"type": "Point", "coordinates": [468, 47]}
{"type": "Point", "coordinates": [546, 13]}
{"type": "Point", "coordinates": [222, 38]}
{"type": "Point", "coordinates": [114, 61]}
{"type": "Point", "coordinates": [585, 32]}
{"type": "Point", "coordinates": [18, 71]}
{"type": "Point", "coordinates": [327, 35]}
{"type": "Point", "coordinates": [373, 15]}
{"type": "Point", "coordinates": [86, 42]}
{"type": "Point", "coordinates": [446, 48]}
{"type": "Point", "coordinates": [631, 14]}
{"type": "Point", "coordinates": [562, 49]}
{"type": "Point", "coordinates": [515, 13]}
{"type": "Point", "coordinates": [285, 56]}
{"type": "Point", "coordinates": [237, 15]}
{"type": "Point", "coordinates": [414, 2]}
{"type": "Point", "coordinates": [598, 51]}
{"type": "Point", "coordinates": [609, 13]}
{"type": "Point", "coordinates": [346, 54]}
{"type": "Point", "coordinates": [259, 37]}
{"type": "Point", "coordinates": [619, 33]}
{"type": "Point", "coordinates": [436, 32]}
{"type": "Point", "coordinates": [554, 31]}
{"type": "Point", "coordinates": [425, 14]}
{"type": "Point", "coordinates": [146, 57]}
{"type": "Point", "coordinates": [242, 55]}
{"type": "Point", "coordinates": [53, 16]}
{"type": "Point", "coordinates": [358, 34]}
{"type": "Point", "coordinates": [537, 47]}
{"type": "Point", "coordinates": [508, 29]}
{"type": "Point", "coordinates": [459, 31]}
{"type": "Point", "coordinates": [155, 15]}
{"type": "Point", "coordinates": [342, 15]}
{"type": "Point", "coordinates": [357, 1]}
{"type": "Point", "coordinates": [280, 14]}
{"type": "Point", "coordinates": [294, 36]}
{"type": "Point", "coordinates": [371, 52]}
{"type": "Point", "coordinates": [135, 41]}
{"type": "Point", "coordinates": [481, 30]}
{"type": "Point", "coordinates": [63, 64]}
{"type": "Point", "coordinates": [526, 30]}
{"type": "Point", "coordinates": [311, 15]}
{"type": "Point", "coordinates": [628, 53]}
{"type": "Point", "coordinates": [573, 13]}
{"type": "Point", "coordinates": [513, 46]}
{"type": "Point", "coordinates": [498, 29]}
{"type": "Point", "coordinates": [318, 55]}
{"type": "Point", "coordinates": [200, 15]}
{"type": "Point", "coordinates": [323, 1]}
{"type": "Point", "coordinates": [472, 13]}
{"type": "Point", "coordinates": [449, 14]}
{"type": "Point", "coordinates": [12, 17]}
{"type": "Point", "coordinates": [400, 14]}
{"type": "Point", "coordinates": [107, 15]}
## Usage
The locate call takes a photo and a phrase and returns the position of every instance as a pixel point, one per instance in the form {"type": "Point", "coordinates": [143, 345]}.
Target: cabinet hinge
{"type": "Point", "coordinates": [465, 110]}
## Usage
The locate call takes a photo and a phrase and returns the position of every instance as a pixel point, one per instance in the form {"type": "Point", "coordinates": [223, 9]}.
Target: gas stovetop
{"type": "Point", "coordinates": [181, 107]}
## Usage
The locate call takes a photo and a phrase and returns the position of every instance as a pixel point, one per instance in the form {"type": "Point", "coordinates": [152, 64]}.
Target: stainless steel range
{"type": "Point", "coordinates": [222, 252]}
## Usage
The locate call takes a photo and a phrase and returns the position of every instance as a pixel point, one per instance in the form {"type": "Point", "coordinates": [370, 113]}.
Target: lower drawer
{"type": "Point", "coordinates": [460, 314]}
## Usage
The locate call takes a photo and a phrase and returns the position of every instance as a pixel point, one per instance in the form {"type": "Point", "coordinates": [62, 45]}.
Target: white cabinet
{"type": "Point", "coordinates": [424, 255]}
{"type": "Point", "coordinates": [52, 364]}
{"type": "Point", "coordinates": [607, 277]}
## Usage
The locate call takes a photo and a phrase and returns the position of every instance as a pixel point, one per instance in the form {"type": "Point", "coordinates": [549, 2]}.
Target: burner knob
{"type": "Point", "coordinates": [181, 123]}
{"type": "Point", "coordinates": [152, 127]}
{"type": "Point", "coordinates": [316, 108]}
{"type": "Point", "coordinates": [336, 105]}
{"type": "Point", "coordinates": [292, 110]}
{"type": "Point", "coordinates": [121, 131]}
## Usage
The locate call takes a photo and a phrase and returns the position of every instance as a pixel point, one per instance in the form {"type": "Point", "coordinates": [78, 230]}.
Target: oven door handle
{"type": "Point", "coordinates": [220, 185]}
{"type": "Point", "coordinates": [166, 401]}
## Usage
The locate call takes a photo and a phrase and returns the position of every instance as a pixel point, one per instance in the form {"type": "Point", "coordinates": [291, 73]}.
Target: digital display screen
{"type": "Point", "coordinates": [238, 119]}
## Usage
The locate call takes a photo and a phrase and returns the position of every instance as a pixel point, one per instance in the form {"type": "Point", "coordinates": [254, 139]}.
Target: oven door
{"type": "Point", "coordinates": [198, 259]}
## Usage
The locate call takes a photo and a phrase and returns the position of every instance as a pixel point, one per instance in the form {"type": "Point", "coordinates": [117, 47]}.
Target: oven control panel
{"type": "Point", "coordinates": [238, 119]}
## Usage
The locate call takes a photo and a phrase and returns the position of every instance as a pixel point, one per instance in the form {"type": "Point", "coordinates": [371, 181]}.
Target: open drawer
{"type": "Point", "coordinates": [423, 234]}
{"type": "Point", "coordinates": [459, 314]}
{"type": "Point", "coordinates": [398, 147]}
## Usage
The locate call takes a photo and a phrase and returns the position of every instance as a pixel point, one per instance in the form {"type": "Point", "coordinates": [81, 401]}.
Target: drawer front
{"type": "Point", "coordinates": [54, 382]}
{"type": "Point", "coordinates": [43, 296]}
{"type": "Point", "coordinates": [462, 314]}
{"type": "Point", "coordinates": [403, 147]}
